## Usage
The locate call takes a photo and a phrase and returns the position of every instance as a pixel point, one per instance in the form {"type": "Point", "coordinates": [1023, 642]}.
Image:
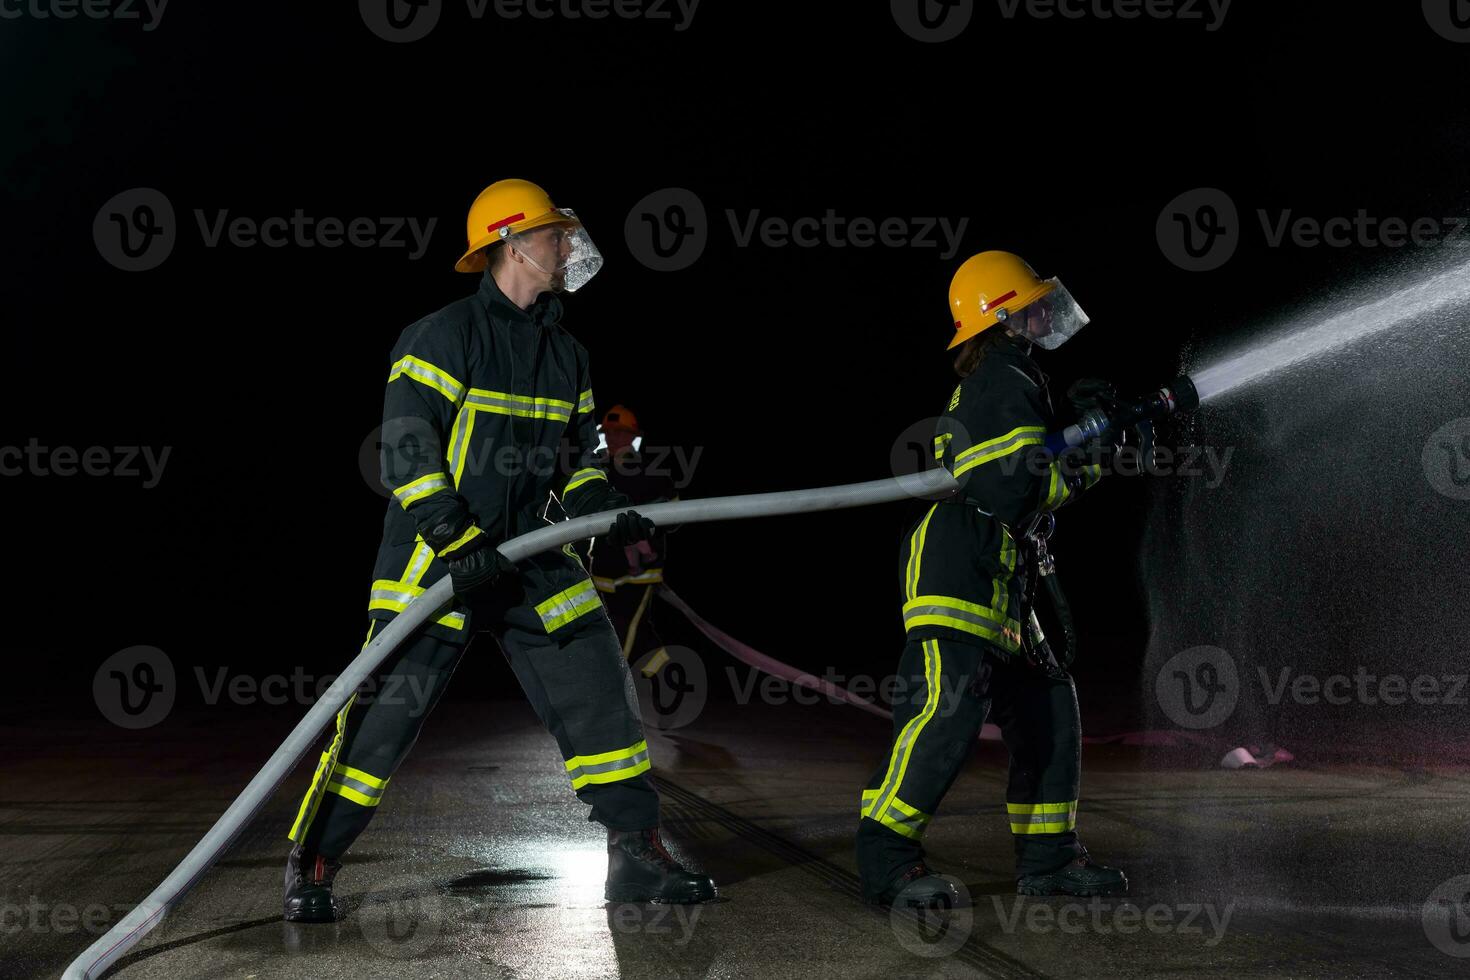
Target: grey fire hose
{"type": "Point", "coordinates": [136, 924]}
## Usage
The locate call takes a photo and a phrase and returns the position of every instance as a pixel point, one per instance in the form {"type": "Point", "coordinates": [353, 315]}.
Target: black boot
{"type": "Point", "coordinates": [309, 888]}
{"type": "Point", "coordinates": [920, 888]}
{"type": "Point", "coordinates": [640, 870]}
{"type": "Point", "coordinates": [1082, 876]}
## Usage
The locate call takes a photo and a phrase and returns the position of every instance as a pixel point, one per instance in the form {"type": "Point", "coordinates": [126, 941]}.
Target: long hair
{"type": "Point", "coordinates": [975, 350]}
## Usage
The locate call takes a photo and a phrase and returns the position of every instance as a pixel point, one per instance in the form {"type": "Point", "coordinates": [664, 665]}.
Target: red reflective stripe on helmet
{"type": "Point", "coordinates": [985, 307]}
{"type": "Point", "coordinates": [957, 325]}
{"type": "Point", "coordinates": [506, 221]}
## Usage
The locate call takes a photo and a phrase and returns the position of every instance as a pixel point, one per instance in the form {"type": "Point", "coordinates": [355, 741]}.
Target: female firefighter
{"type": "Point", "coordinates": [969, 567]}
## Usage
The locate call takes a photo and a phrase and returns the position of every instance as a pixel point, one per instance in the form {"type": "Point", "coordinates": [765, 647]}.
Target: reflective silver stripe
{"type": "Point", "coordinates": [602, 767]}
{"type": "Point", "coordinates": [998, 449]}
{"type": "Point", "coordinates": [421, 371]}
{"type": "Point", "coordinates": [986, 618]}
{"type": "Point", "coordinates": [421, 488]}
{"type": "Point", "coordinates": [422, 554]}
{"type": "Point", "coordinates": [567, 606]}
{"type": "Point", "coordinates": [916, 823]}
{"type": "Point", "coordinates": [357, 785]}
{"type": "Point", "coordinates": [505, 404]}
{"type": "Point", "coordinates": [393, 595]}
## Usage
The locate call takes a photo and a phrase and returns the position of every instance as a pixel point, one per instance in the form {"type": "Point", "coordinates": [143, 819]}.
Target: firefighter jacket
{"type": "Point", "coordinates": [961, 574]}
{"type": "Point", "coordinates": [488, 417]}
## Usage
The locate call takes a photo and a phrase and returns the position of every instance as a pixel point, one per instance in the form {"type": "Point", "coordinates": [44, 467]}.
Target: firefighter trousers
{"type": "Point", "coordinates": [576, 680]}
{"type": "Point", "coordinates": [946, 690]}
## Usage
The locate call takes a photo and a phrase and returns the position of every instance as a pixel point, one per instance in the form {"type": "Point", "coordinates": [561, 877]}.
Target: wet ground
{"type": "Point", "coordinates": [480, 862]}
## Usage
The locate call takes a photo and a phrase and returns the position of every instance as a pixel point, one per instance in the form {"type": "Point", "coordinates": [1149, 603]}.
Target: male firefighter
{"type": "Point", "coordinates": [627, 576]}
{"type": "Point", "coordinates": [479, 398]}
{"type": "Point", "coordinates": [968, 570]}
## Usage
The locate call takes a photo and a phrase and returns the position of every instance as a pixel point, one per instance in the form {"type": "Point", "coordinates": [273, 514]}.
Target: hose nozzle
{"type": "Point", "coordinates": [1179, 395]}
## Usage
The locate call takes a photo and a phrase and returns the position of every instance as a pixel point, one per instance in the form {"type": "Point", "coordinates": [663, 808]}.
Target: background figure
{"type": "Point", "coordinates": [626, 576]}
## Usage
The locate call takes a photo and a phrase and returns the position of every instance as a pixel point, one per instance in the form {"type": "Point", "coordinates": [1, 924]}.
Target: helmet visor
{"type": "Point", "coordinates": [1049, 320]}
{"type": "Point", "coordinates": [562, 249]}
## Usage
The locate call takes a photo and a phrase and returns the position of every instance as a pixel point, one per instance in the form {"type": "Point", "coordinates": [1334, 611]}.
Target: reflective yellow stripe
{"type": "Point", "coordinates": [471, 534]}
{"type": "Point", "coordinates": [609, 767]}
{"type": "Point", "coordinates": [992, 449]}
{"type": "Point", "coordinates": [651, 576]}
{"type": "Point", "coordinates": [941, 443]}
{"type": "Point", "coordinates": [348, 793]}
{"type": "Point", "coordinates": [916, 552]}
{"type": "Point", "coordinates": [869, 795]}
{"type": "Point", "coordinates": [903, 819]}
{"type": "Point", "coordinates": [583, 476]}
{"type": "Point", "coordinates": [525, 406]}
{"type": "Point", "coordinates": [1042, 818]}
{"type": "Point", "coordinates": [585, 404]}
{"type": "Point", "coordinates": [568, 606]}
{"type": "Point", "coordinates": [459, 441]}
{"type": "Point", "coordinates": [313, 799]}
{"type": "Point", "coordinates": [425, 373]}
{"type": "Point", "coordinates": [395, 597]}
{"type": "Point", "coordinates": [970, 617]}
{"type": "Point", "coordinates": [362, 777]}
{"type": "Point", "coordinates": [903, 749]}
{"type": "Point", "coordinates": [424, 486]}
{"type": "Point", "coordinates": [1056, 490]}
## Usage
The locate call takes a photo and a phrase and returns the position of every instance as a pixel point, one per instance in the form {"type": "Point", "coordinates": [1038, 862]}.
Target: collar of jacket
{"type": "Point", "coordinates": [1014, 354]}
{"type": "Point", "coordinates": [545, 312]}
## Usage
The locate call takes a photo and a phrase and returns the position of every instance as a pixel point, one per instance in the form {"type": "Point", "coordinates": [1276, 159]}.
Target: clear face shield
{"type": "Point", "coordinates": [1050, 320]}
{"type": "Point", "coordinates": [562, 250]}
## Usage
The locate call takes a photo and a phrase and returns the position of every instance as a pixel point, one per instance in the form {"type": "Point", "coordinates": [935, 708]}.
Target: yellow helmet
{"type": "Point", "coordinates": [990, 287]}
{"type": "Point", "coordinates": [503, 209]}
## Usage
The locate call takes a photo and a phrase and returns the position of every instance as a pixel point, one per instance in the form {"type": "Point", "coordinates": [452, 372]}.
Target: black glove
{"type": "Point", "coordinates": [1089, 393]}
{"type": "Point", "coordinates": [479, 572]}
{"type": "Point", "coordinates": [630, 528]}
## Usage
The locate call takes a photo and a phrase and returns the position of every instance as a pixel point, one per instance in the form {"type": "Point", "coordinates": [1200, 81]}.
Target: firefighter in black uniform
{"type": "Point", "coordinates": [969, 570]}
{"type": "Point", "coordinates": [626, 576]}
{"type": "Point", "coordinates": [480, 397]}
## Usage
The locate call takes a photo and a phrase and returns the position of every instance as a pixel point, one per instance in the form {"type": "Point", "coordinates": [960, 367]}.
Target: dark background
{"type": "Point", "coordinates": [262, 369]}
